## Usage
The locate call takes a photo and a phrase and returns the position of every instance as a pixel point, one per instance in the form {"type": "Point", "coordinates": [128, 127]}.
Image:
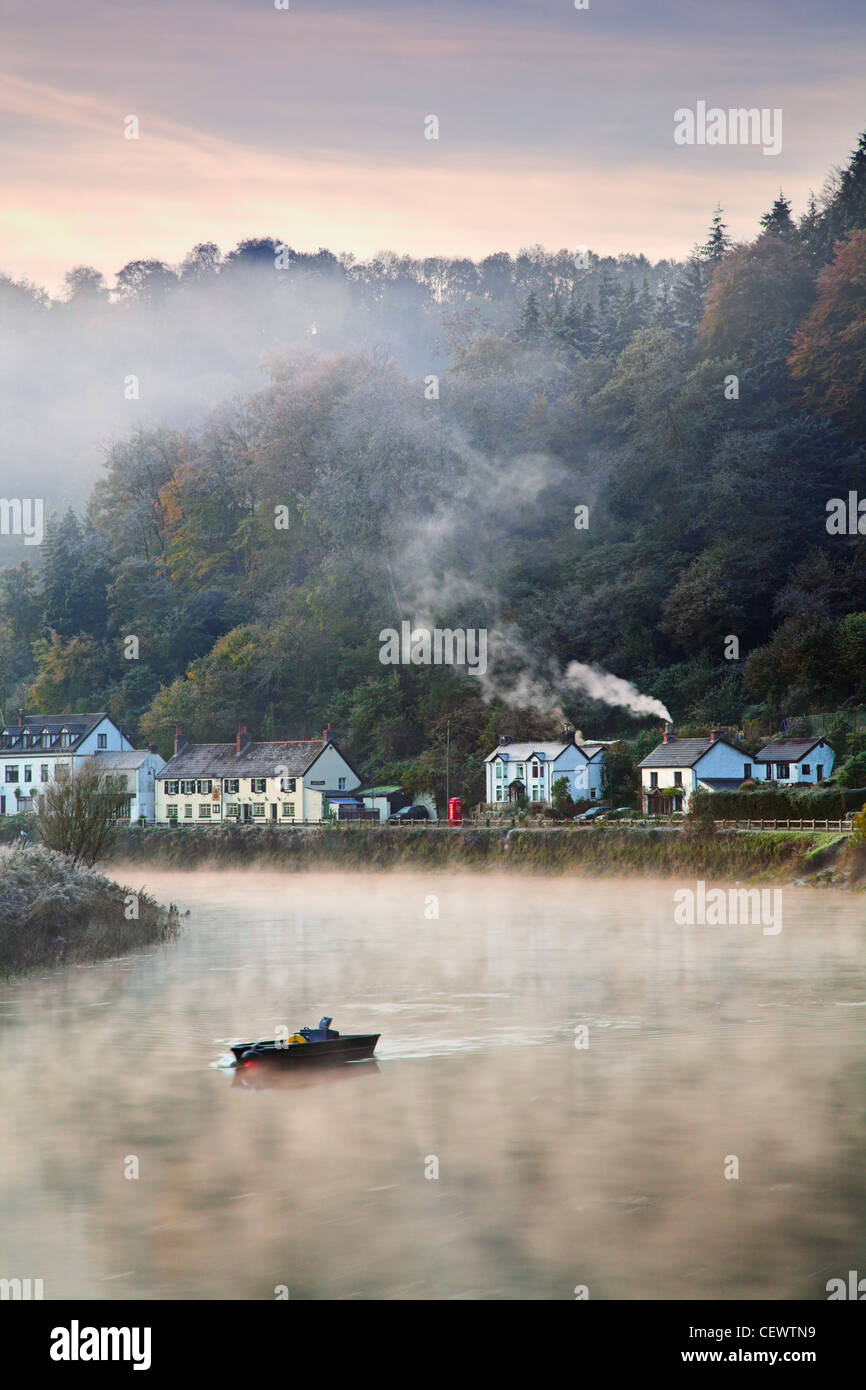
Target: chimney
{"type": "Point", "coordinates": [20, 716]}
{"type": "Point", "coordinates": [714, 733]}
{"type": "Point", "coordinates": [568, 733]}
{"type": "Point", "coordinates": [152, 748]}
{"type": "Point", "coordinates": [179, 740]}
{"type": "Point", "coordinates": [327, 735]}
{"type": "Point", "coordinates": [243, 739]}
{"type": "Point", "coordinates": [503, 739]}
{"type": "Point", "coordinates": [669, 734]}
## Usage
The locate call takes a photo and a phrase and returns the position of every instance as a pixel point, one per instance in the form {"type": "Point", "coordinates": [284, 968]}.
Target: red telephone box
{"type": "Point", "coordinates": [455, 811]}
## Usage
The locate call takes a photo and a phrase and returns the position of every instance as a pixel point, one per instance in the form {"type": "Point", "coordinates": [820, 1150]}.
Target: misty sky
{"type": "Point", "coordinates": [555, 124]}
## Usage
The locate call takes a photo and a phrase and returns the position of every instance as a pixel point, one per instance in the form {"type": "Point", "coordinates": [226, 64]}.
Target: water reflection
{"type": "Point", "coordinates": [557, 1165]}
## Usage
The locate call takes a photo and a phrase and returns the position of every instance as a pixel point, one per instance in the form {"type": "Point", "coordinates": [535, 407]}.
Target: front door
{"type": "Point", "coordinates": [248, 811]}
{"type": "Point", "coordinates": [819, 772]}
{"type": "Point", "coordinates": [274, 811]}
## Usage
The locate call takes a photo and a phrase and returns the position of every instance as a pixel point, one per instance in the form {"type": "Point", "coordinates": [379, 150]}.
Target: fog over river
{"type": "Point", "coordinates": [558, 1165]}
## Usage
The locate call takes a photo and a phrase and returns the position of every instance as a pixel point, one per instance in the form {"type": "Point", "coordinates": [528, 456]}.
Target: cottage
{"type": "Point", "coordinates": [678, 766]}
{"type": "Point", "coordinates": [515, 771]}
{"type": "Point", "coordinates": [252, 783]}
{"type": "Point", "coordinates": [795, 761]}
{"type": "Point", "coordinates": [32, 750]}
{"type": "Point", "coordinates": [134, 776]}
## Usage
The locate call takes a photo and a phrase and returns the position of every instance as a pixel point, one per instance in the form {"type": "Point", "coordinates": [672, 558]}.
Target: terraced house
{"type": "Point", "coordinates": [253, 783]}
{"type": "Point", "coordinates": [528, 771]}
{"type": "Point", "coordinates": [32, 750]}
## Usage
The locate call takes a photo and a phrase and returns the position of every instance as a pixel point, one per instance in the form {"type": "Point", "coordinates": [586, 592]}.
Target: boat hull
{"type": "Point", "coordinates": [333, 1051]}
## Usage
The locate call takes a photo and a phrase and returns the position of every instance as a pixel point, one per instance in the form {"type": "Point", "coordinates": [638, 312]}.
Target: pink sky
{"type": "Point", "coordinates": [555, 125]}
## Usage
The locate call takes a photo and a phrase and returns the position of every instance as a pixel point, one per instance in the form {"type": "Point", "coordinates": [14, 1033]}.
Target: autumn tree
{"type": "Point", "coordinates": [829, 357]}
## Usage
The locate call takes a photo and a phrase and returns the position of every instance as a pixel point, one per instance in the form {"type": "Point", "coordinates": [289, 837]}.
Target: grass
{"type": "Point", "coordinates": [51, 912]}
{"type": "Point", "coordinates": [766, 854]}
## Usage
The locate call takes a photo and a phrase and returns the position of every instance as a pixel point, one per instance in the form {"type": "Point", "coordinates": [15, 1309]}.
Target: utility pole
{"type": "Point", "coordinates": [447, 765]}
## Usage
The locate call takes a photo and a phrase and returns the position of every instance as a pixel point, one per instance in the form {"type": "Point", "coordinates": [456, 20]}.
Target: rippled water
{"type": "Point", "coordinates": [557, 1165]}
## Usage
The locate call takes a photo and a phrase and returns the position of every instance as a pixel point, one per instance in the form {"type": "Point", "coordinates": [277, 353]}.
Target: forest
{"type": "Point", "coordinates": [417, 444]}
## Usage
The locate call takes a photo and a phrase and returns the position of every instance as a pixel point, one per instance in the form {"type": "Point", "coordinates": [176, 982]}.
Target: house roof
{"type": "Point", "coordinates": [48, 727]}
{"type": "Point", "coordinates": [683, 752]}
{"type": "Point", "coordinates": [257, 759]}
{"type": "Point", "coordinates": [721, 784]}
{"type": "Point", "coordinates": [789, 750]}
{"type": "Point", "coordinates": [121, 762]}
{"type": "Point", "coordinates": [546, 750]}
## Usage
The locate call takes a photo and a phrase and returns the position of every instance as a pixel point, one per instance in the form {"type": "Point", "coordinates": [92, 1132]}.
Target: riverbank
{"type": "Point", "coordinates": [815, 857]}
{"type": "Point", "coordinates": [51, 912]}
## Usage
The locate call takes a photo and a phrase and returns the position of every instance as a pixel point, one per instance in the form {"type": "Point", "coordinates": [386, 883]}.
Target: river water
{"type": "Point", "coordinates": [707, 1050]}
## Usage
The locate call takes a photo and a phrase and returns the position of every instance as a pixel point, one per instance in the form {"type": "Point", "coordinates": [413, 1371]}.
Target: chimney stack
{"type": "Point", "coordinates": [669, 734]}
{"type": "Point", "coordinates": [179, 740]}
{"type": "Point", "coordinates": [503, 739]}
{"type": "Point", "coordinates": [152, 748]}
{"type": "Point", "coordinates": [20, 716]}
{"type": "Point", "coordinates": [242, 740]}
{"type": "Point", "coordinates": [569, 733]}
{"type": "Point", "coordinates": [326, 734]}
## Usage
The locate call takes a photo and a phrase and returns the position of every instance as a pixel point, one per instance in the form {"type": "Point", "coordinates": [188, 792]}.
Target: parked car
{"type": "Point", "coordinates": [593, 813]}
{"type": "Point", "coordinates": [409, 813]}
{"type": "Point", "coordinates": [621, 813]}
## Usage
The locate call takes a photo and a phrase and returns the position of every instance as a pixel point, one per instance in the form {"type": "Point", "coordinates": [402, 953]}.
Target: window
{"type": "Point", "coordinates": [341, 784]}
{"type": "Point", "coordinates": [654, 779]}
{"type": "Point", "coordinates": [782, 770]}
{"type": "Point", "coordinates": [536, 770]}
{"type": "Point", "coordinates": [187, 813]}
{"type": "Point", "coordinates": [204, 811]}
{"type": "Point", "coordinates": [187, 788]}
{"type": "Point", "coordinates": [43, 773]}
{"type": "Point", "coordinates": [498, 793]}
{"type": "Point", "coordinates": [534, 793]}
{"type": "Point", "coordinates": [678, 779]}
{"type": "Point", "coordinates": [28, 773]}
{"type": "Point", "coordinates": [11, 774]}
{"type": "Point", "coordinates": [287, 784]}
{"type": "Point", "coordinates": [807, 771]}
{"type": "Point", "coordinates": [288, 808]}
{"type": "Point", "coordinates": [259, 784]}
{"type": "Point", "coordinates": [102, 740]}
{"type": "Point", "coordinates": [258, 808]}
{"type": "Point", "coordinates": [172, 788]}
{"type": "Point", "coordinates": [204, 788]}
{"type": "Point", "coordinates": [520, 770]}
{"type": "Point", "coordinates": [172, 812]}
{"type": "Point", "coordinates": [500, 769]}
{"type": "Point", "coordinates": [592, 792]}
{"type": "Point", "coordinates": [231, 784]}
{"type": "Point", "coordinates": [233, 811]}
{"type": "Point", "coordinates": [747, 772]}
{"type": "Point", "coordinates": [677, 803]}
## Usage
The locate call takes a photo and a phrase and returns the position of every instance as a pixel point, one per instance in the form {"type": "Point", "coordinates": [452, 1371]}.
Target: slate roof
{"type": "Point", "coordinates": [549, 751]}
{"type": "Point", "coordinates": [682, 752]}
{"type": "Point", "coordinates": [79, 725]}
{"type": "Point", "coordinates": [257, 759]}
{"type": "Point", "coordinates": [721, 784]}
{"type": "Point", "coordinates": [122, 762]}
{"type": "Point", "coordinates": [789, 750]}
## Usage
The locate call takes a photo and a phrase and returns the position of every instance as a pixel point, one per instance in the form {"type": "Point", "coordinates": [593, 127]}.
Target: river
{"type": "Point", "coordinates": [584, 1075]}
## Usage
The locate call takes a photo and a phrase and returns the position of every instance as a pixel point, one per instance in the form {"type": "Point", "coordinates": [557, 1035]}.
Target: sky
{"type": "Point", "coordinates": [308, 124]}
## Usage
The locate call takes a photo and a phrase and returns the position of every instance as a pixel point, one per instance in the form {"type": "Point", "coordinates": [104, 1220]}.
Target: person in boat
{"type": "Point", "coordinates": [325, 1027]}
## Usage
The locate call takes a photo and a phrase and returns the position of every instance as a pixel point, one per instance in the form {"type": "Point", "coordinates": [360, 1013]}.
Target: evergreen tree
{"type": "Point", "coordinates": [778, 221]}
{"type": "Point", "coordinates": [718, 241]}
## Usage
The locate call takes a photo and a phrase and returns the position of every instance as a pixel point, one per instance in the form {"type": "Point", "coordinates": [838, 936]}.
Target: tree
{"type": "Point", "coordinates": [829, 356]}
{"type": "Point", "coordinates": [77, 813]}
{"type": "Point", "coordinates": [718, 243]}
{"type": "Point", "coordinates": [561, 798]}
{"type": "Point", "coordinates": [778, 221]}
{"type": "Point", "coordinates": [767, 285]}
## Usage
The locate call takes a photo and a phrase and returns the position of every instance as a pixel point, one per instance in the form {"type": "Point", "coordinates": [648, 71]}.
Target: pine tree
{"type": "Point", "coordinates": [529, 324]}
{"type": "Point", "coordinates": [778, 221]}
{"type": "Point", "coordinates": [718, 241]}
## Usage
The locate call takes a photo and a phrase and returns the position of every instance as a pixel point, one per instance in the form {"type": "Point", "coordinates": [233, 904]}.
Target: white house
{"type": "Point", "coordinates": [252, 783]}
{"type": "Point", "coordinates": [134, 773]}
{"type": "Point", "coordinates": [517, 770]}
{"type": "Point", "coordinates": [794, 761]}
{"type": "Point", "coordinates": [684, 764]}
{"type": "Point", "coordinates": [32, 749]}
